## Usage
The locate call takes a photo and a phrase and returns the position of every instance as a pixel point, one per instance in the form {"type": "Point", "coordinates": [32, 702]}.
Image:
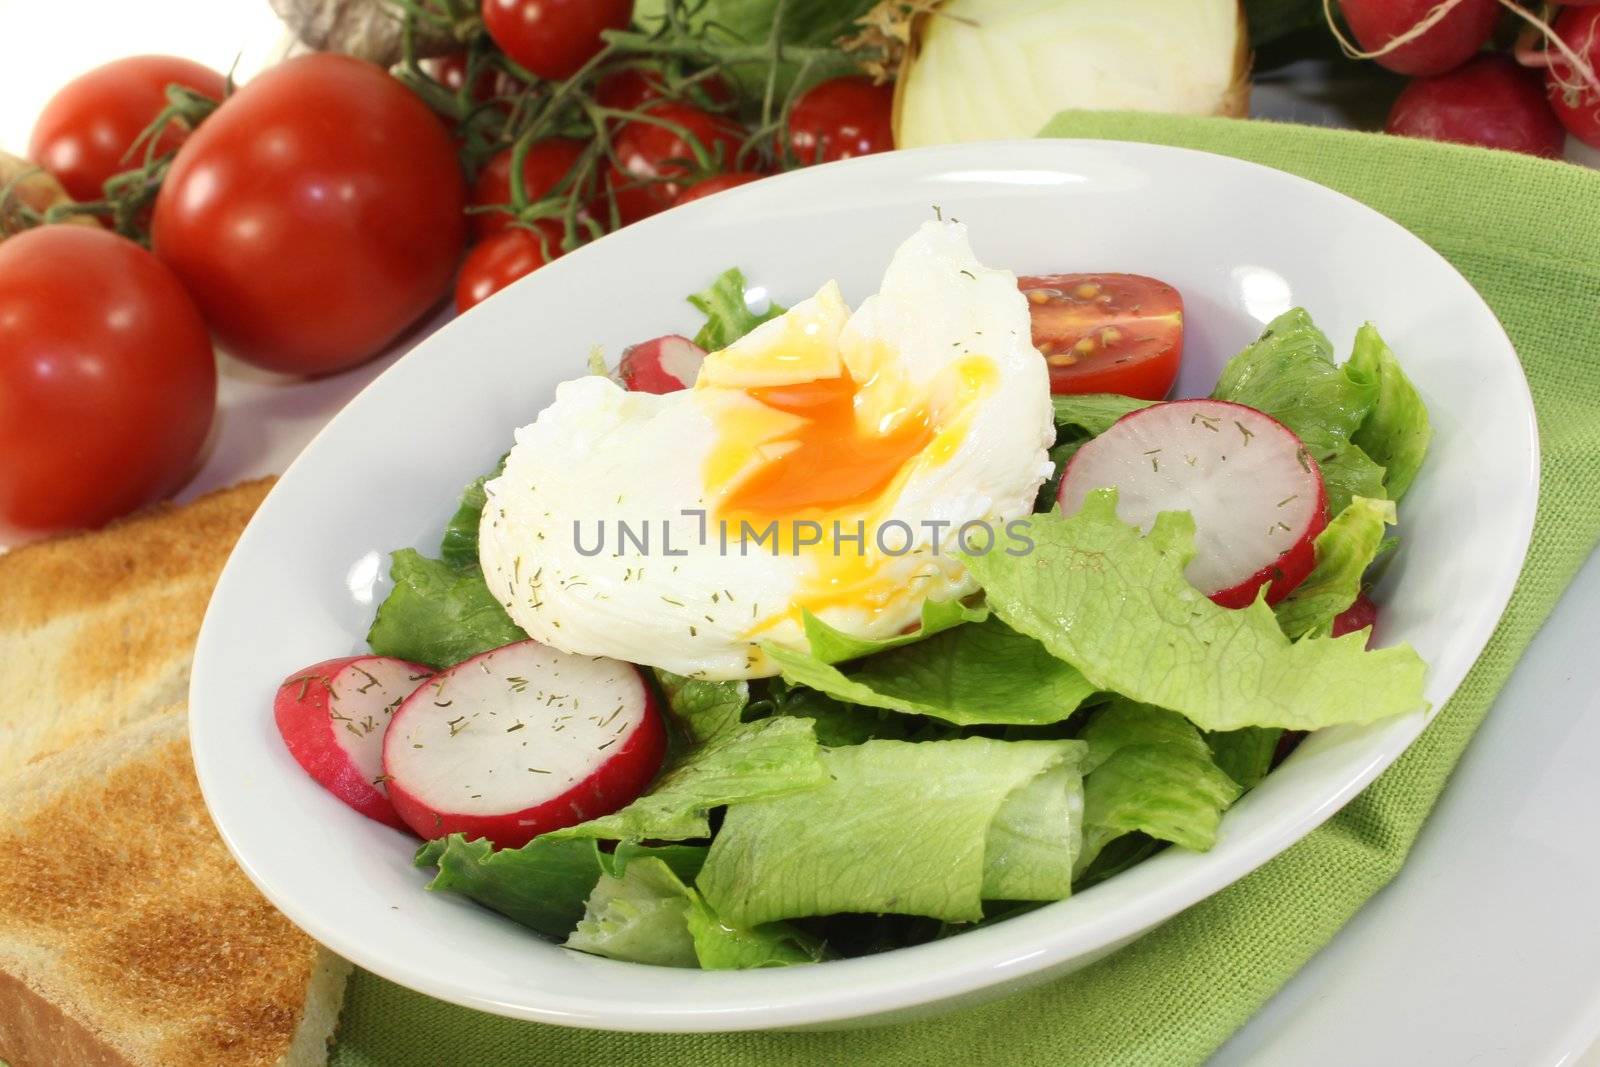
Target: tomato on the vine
{"type": "Point", "coordinates": [107, 382]}
{"type": "Point", "coordinates": [315, 215]}
{"type": "Point", "coordinates": [841, 118]}
{"type": "Point", "coordinates": [450, 71]}
{"type": "Point", "coordinates": [553, 38]}
{"type": "Point", "coordinates": [1107, 333]}
{"type": "Point", "coordinates": [546, 163]}
{"type": "Point", "coordinates": [500, 260]}
{"type": "Point", "coordinates": [716, 185]}
{"type": "Point", "coordinates": [1576, 105]}
{"type": "Point", "coordinates": [631, 88]}
{"type": "Point", "coordinates": [85, 133]}
{"type": "Point", "coordinates": [651, 161]}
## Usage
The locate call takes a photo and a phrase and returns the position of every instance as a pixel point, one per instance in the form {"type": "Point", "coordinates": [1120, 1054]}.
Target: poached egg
{"type": "Point", "coordinates": [825, 462]}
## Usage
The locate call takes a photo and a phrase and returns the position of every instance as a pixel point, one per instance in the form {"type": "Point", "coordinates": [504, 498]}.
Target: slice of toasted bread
{"type": "Point", "coordinates": [128, 937]}
{"type": "Point", "coordinates": [97, 630]}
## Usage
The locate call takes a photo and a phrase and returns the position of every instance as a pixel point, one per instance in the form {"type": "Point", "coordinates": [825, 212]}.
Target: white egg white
{"type": "Point", "coordinates": [944, 336]}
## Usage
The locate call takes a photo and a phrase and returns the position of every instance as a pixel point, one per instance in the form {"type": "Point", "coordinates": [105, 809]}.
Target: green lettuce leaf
{"type": "Point", "coordinates": [839, 724]}
{"type": "Point", "coordinates": [728, 318]}
{"type": "Point", "coordinates": [1117, 607]}
{"type": "Point", "coordinates": [1035, 837]}
{"type": "Point", "coordinates": [1396, 432]}
{"type": "Point", "coordinates": [1245, 755]}
{"type": "Point", "coordinates": [1150, 772]}
{"type": "Point", "coordinates": [898, 827]}
{"type": "Point", "coordinates": [1091, 414]}
{"type": "Point", "coordinates": [459, 548]}
{"type": "Point", "coordinates": [641, 916]}
{"type": "Point", "coordinates": [978, 673]}
{"type": "Point", "coordinates": [704, 709]}
{"type": "Point", "coordinates": [835, 646]}
{"type": "Point", "coordinates": [438, 614]}
{"type": "Point", "coordinates": [1344, 551]}
{"type": "Point", "coordinates": [1289, 373]}
{"type": "Point", "coordinates": [541, 885]}
{"type": "Point", "coordinates": [757, 759]}
{"type": "Point", "coordinates": [1350, 473]}
{"type": "Point", "coordinates": [646, 914]}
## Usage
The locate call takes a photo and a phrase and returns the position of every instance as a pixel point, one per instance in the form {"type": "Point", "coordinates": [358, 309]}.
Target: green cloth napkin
{"type": "Point", "coordinates": [1526, 233]}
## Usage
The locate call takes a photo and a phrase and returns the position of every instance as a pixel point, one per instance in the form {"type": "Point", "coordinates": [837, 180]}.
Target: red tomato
{"type": "Point", "coordinates": [631, 88]}
{"type": "Point", "coordinates": [500, 260]}
{"type": "Point", "coordinates": [654, 158]}
{"type": "Point", "coordinates": [1107, 333]}
{"type": "Point", "coordinates": [553, 38]}
{"type": "Point", "coordinates": [716, 185]}
{"type": "Point", "coordinates": [546, 163]}
{"type": "Point", "coordinates": [315, 215]}
{"type": "Point", "coordinates": [1577, 106]}
{"type": "Point", "coordinates": [84, 134]}
{"type": "Point", "coordinates": [107, 382]}
{"type": "Point", "coordinates": [451, 72]}
{"type": "Point", "coordinates": [841, 118]}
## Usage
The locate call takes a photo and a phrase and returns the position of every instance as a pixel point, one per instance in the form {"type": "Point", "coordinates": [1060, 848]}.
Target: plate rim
{"type": "Point", "coordinates": [920, 987]}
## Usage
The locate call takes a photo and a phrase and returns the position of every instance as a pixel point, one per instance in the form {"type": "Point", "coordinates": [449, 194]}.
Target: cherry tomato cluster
{"type": "Point", "coordinates": [660, 131]}
{"type": "Point", "coordinates": [306, 220]}
{"type": "Point", "coordinates": [1526, 100]}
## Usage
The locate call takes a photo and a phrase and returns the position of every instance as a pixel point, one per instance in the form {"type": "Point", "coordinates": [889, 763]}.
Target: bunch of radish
{"type": "Point", "coordinates": [510, 744]}
{"type": "Point", "coordinates": [1526, 100]}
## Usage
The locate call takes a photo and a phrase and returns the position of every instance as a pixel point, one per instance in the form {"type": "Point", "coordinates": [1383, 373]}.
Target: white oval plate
{"type": "Point", "coordinates": [1241, 242]}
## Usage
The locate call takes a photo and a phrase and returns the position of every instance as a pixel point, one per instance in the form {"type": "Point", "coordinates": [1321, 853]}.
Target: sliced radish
{"type": "Point", "coordinates": [333, 716]}
{"type": "Point", "coordinates": [520, 741]}
{"type": "Point", "coordinates": [1255, 495]}
{"type": "Point", "coordinates": [661, 365]}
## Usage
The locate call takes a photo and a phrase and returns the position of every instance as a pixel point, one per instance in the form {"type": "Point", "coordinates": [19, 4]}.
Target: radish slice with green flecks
{"type": "Point", "coordinates": [333, 715]}
{"type": "Point", "coordinates": [520, 741]}
{"type": "Point", "coordinates": [1255, 494]}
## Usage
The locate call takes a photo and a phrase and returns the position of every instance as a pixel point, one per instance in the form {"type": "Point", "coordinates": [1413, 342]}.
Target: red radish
{"type": "Point", "coordinates": [1255, 495]}
{"type": "Point", "coordinates": [661, 365]}
{"type": "Point", "coordinates": [1577, 105]}
{"type": "Point", "coordinates": [520, 741]}
{"type": "Point", "coordinates": [1464, 29]}
{"type": "Point", "coordinates": [333, 715]}
{"type": "Point", "coordinates": [1489, 101]}
{"type": "Point", "coordinates": [1358, 616]}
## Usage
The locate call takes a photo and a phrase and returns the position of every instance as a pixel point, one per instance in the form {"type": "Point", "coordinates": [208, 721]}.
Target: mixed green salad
{"type": "Point", "coordinates": [1090, 708]}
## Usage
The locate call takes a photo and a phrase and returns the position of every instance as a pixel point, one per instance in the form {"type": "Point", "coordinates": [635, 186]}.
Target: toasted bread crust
{"type": "Point", "coordinates": [120, 907]}
{"type": "Point", "coordinates": [97, 630]}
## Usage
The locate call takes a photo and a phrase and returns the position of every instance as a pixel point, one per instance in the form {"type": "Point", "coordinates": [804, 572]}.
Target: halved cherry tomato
{"type": "Point", "coordinates": [1107, 333]}
{"type": "Point", "coordinates": [84, 134]}
{"type": "Point", "coordinates": [553, 38]}
{"type": "Point", "coordinates": [716, 185]}
{"type": "Point", "coordinates": [502, 259]}
{"type": "Point", "coordinates": [651, 160]}
{"type": "Point", "coordinates": [546, 163]}
{"type": "Point", "coordinates": [840, 119]}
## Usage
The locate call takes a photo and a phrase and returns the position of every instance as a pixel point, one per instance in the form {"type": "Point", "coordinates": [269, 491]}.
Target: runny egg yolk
{"type": "Point", "coordinates": [831, 450]}
{"type": "Point", "coordinates": [832, 463]}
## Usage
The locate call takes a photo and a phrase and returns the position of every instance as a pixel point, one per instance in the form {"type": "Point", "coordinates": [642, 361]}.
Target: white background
{"type": "Point", "coordinates": [1485, 950]}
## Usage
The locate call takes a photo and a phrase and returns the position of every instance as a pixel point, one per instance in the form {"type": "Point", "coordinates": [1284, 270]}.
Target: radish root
{"type": "Point", "coordinates": [1579, 77]}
